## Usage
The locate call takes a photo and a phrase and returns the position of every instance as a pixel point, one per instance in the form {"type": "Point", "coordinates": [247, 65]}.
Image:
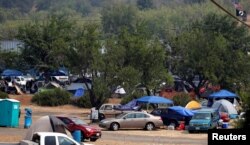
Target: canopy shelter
{"type": "Point", "coordinates": [182, 111]}
{"type": "Point", "coordinates": [154, 100]}
{"type": "Point", "coordinates": [46, 124]}
{"type": "Point", "coordinates": [222, 94]}
{"type": "Point", "coordinates": [225, 106]}
{"type": "Point", "coordinates": [11, 73]}
{"type": "Point", "coordinates": [193, 105]}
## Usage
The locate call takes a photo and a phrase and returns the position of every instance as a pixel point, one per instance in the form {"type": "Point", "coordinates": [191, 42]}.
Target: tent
{"type": "Point", "coordinates": [154, 100]}
{"type": "Point", "coordinates": [79, 93]}
{"type": "Point", "coordinates": [182, 111]}
{"type": "Point", "coordinates": [132, 105]}
{"type": "Point", "coordinates": [11, 73]}
{"type": "Point", "coordinates": [226, 106]}
{"type": "Point", "coordinates": [222, 94]}
{"type": "Point", "coordinates": [46, 124]}
{"type": "Point", "coordinates": [193, 105]}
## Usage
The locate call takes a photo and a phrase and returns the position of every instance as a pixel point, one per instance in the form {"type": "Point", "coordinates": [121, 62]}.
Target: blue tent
{"type": "Point", "coordinates": [79, 93]}
{"type": "Point", "coordinates": [182, 111]}
{"type": "Point", "coordinates": [154, 100]}
{"type": "Point", "coordinates": [222, 94]}
{"type": "Point", "coordinates": [11, 73]}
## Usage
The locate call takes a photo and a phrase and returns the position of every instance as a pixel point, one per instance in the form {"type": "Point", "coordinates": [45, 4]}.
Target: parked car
{"type": "Point", "coordinates": [132, 120]}
{"type": "Point", "coordinates": [204, 119]}
{"type": "Point", "coordinates": [170, 116]}
{"type": "Point", "coordinates": [87, 132]}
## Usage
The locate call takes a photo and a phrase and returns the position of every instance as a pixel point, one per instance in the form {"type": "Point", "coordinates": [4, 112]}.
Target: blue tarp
{"type": "Point", "coordinates": [11, 73]}
{"type": "Point", "coordinates": [182, 111]}
{"type": "Point", "coordinates": [222, 94]}
{"type": "Point", "coordinates": [129, 106]}
{"type": "Point", "coordinates": [154, 100]}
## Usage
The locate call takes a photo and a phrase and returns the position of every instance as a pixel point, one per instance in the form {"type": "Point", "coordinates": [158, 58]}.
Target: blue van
{"type": "Point", "coordinates": [204, 119]}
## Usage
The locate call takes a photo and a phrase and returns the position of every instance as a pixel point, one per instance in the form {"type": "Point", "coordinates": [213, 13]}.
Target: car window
{"type": "Point", "coordinates": [140, 115]}
{"type": "Point", "coordinates": [78, 121]}
{"type": "Point", "coordinates": [206, 116]}
{"type": "Point", "coordinates": [108, 107]}
{"type": "Point", "coordinates": [65, 120]}
{"type": "Point", "coordinates": [65, 141]}
{"type": "Point", "coordinates": [132, 115]}
{"type": "Point", "coordinates": [50, 140]}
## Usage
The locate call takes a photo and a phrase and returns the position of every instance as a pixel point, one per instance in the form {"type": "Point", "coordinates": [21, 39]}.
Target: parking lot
{"type": "Point", "coordinates": [122, 137]}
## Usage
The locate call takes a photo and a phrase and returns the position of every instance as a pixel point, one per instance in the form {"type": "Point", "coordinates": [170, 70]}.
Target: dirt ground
{"type": "Point", "coordinates": [109, 137]}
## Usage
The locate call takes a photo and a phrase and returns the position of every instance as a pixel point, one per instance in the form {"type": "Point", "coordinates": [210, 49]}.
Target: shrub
{"type": "Point", "coordinates": [181, 99]}
{"type": "Point", "coordinates": [3, 95]}
{"type": "Point", "coordinates": [82, 101]}
{"type": "Point", "coordinates": [53, 97]}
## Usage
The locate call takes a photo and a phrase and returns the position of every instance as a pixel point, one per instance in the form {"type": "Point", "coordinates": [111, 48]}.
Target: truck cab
{"type": "Point", "coordinates": [51, 138]}
{"type": "Point", "coordinates": [203, 120]}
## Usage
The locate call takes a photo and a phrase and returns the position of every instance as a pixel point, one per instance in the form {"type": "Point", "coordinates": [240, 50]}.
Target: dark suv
{"type": "Point", "coordinates": [87, 132]}
{"type": "Point", "coordinates": [170, 116]}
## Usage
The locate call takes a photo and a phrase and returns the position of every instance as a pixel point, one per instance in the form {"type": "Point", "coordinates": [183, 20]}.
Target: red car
{"type": "Point", "coordinates": [87, 132]}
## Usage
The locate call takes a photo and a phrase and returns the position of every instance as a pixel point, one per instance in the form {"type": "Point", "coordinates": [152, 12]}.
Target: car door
{"type": "Point", "coordinates": [128, 121]}
{"type": "Point", "coordinates": [140, 120]}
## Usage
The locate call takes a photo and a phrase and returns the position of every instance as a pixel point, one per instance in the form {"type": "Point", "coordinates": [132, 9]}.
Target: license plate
{"type": "Point", "coordinates": [98, 134]}
{"type": "Point", "coordinates": [197, 128]}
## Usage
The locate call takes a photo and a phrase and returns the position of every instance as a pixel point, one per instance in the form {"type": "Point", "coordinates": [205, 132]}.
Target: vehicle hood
{"type": "Point", "coordinates": [91, 127]}
{"type": "Point", "coordinates": [199, 121]}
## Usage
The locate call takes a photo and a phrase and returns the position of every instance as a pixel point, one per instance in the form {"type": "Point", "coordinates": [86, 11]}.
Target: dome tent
{"type": "Point", "coordinates": [193, 105]}
{"type": "Point", "coordinates": [226, 106]}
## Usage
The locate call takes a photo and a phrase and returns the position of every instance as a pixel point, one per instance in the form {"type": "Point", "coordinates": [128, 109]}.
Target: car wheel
{"type": "Point", "coordinates": [114, 126]}
{"type": "Point", "coordinates": [82, 137]}
{"type": "Point", "coordinates": [150, 126]}
{"type": "Point", "coordinates": [191, 131]}
{"type": "Point", "coordinates": [93, 139]}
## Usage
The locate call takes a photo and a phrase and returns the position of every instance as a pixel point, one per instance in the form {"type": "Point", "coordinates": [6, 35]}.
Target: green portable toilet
{"type": "Point", "coordinates": [9, 112]}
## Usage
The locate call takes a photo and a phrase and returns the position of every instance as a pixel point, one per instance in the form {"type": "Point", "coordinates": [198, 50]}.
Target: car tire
{"type": "Point", "coordinates": [82, 137]}
{"type": "Point", "coordinates": [191, 131]}
{"type": "Point", "coordinates": [114, 126]}
{"type": "Point", "coordinates": [93, 139]}
{"type": "Point", "coordinates": [150, 126]}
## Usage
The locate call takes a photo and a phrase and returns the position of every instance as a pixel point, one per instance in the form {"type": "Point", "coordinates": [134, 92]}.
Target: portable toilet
{"type": "Point", "coordinates": [9, 112]}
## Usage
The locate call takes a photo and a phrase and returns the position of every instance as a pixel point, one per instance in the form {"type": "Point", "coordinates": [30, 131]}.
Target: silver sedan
{"type": "Point", "coordinates": [132, 120]}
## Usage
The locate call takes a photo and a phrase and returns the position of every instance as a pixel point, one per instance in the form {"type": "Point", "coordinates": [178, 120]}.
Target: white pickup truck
{"type": "Point", "coordinates": [48, 138]}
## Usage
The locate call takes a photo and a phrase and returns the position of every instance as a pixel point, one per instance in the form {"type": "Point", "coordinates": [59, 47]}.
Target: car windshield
{"type": "Point", "coordinates": [206, 116]}
{"type": "Point", "coordinates": [120, 115]}
{"type": "Point", "coordinates": [78, 121]}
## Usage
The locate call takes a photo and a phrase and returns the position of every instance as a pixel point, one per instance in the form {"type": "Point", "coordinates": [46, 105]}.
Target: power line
{"type": "Point", "coordinates": [218, 5]}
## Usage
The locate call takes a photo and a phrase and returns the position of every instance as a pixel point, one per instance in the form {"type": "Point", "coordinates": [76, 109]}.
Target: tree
{"type": "Point", "coordinates": [119, 15]}
{"type": "Point", "coordinates": [45, 43]}
{"type": "Point", "coordinates": [85, 59]}
{"type": "Point", "coordinates": [214, 50]}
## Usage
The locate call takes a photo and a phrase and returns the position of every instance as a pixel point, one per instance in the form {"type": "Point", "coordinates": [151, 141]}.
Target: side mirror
{"type": "Point", "coordinates": [124, 118]}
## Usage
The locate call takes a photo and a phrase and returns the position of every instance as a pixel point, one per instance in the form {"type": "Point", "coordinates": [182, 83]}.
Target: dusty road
{"type": "Point", "coordinates": [121, 137]}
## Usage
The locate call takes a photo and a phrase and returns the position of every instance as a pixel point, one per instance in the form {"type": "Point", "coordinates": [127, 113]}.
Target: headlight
{"type": "Point", "coordinates": [89, 130]}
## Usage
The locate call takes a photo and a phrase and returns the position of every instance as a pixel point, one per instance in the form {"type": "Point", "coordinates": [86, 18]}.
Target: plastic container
{"type": "Point", "coordinates": [77, 135]}
{"type": "Point", "coordinates": [27, 121]}
{"type": "Point", "coordinates": [224, 125]}
{"type": "Point", "coordinates": [27, 117]}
